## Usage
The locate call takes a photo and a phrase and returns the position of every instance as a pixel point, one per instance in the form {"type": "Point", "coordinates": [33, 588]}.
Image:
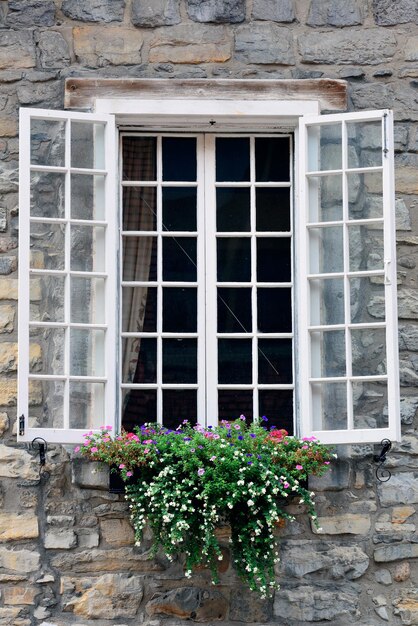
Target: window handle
{"type": "Point", "coordinates": [387, 272]}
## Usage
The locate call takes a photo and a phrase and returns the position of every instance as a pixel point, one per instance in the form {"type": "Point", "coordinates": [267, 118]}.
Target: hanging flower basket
{"type": "Point", "coordinates": [192, 478]}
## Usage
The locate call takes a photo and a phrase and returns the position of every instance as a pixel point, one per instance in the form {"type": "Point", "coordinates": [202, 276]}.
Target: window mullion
{"type": "Point", "coordinates": [201, 282]}
{"type": "Point", "coordinates": [254, 339]}
{"type": "Point", "coordinates": [67, 282]}
{"type": "Point", "coordinates": [159, 281]}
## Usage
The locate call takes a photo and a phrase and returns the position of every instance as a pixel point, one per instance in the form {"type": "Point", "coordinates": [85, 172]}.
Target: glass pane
{"type": "Point", "coordinates": [275, 361]}
{"type": "Point", "coordinates": [367, 300]}
{"type": "Point", "coordinates": [179, 310]}
{"type": "Point", "coordinates": [327, 301]}
{"type": "Point", "coordinates": [370, 401]}
{"type": "Point", "coordinates": [235, 402]}
{"type": "Point", "coordinates": [139, 161]}
{"type": "Point", "coordinates": [179, 360]}
{"type": "Point", "coordinates": [179, 208]}
{"type": "Point", "coordinates": [179, 158]}
{"type": "Point", "coordinates": [139, 406]}
{"type": "Point", "coordinates": [139, 258]}
{"type": "Point", "coordinates": [234, 259]}
{"type": "Point", "coordinates": [139, 360]}
{"type": "Point", "coordinates": [46, 351]}
{"type": "Point", "coordinates": [369, 352]}
{"type": "Point", "coordinates": [272, 209]}
{"type": "Point", "coordinates": [47, 242]}
{"type": "Point", "coordinates": [139, 309]}
{"type": "Point", "coordinates": [47, 298]}
{"type": "Point", "coordinates": [88, 249]}
{"type": "Point", "coordinates": [234, 310]}
{"type": "Point", "coordinates": [179, 258]}
{"type": "Point", "coordinates": [139, 208]}
{"type": "Point", "coordinates": [329, 406]}
{"type": "Point", "coordinates": [232, 159]}
{"type": "Point", "coordinates": [325, 198]}
{"type": "Point", "coordinates": [234, 361]}
{"type": "Point", "coordinates": [273, 259]}
{"type": "Point", "coordinates": [47, 138]}
{"type": "Point", "coordinates": [324, 147]}
{"type": "Point", "coordinates": [366, 247]}
{"type": "Point", "coordinates": [87, 145]}
{"type": "Point", "coordinates": [365, 141]}
{"type": "Point", "coordinates": [325, 250]}
{"type": "Point", "coordinates": [328, 354]}
{"type": "Point", "coordinates": [46, 394]}
{"type": "Point", "coordinates": [179, 405]}
{"type": "Point", "coordinates": [274, 310]}
{"type": "Point", "coordinates": [87, 406]}
{"type": "Point", "coordinates": [365, 193]}
{"type": "Point", "coordinates": [277, 406]}
{"type": "Point", "coordinates": [87, 352]}
{"type": "Point", "coordinates": [87, 197]}
{"type": "Point", "coordinates": [88, 299]}
{"type": "Point", "coordinates": [272, 159]}
{"type": "Point", "coordinates": [47, 195]}
{"type": "Point", "coordinates": [233, 209]}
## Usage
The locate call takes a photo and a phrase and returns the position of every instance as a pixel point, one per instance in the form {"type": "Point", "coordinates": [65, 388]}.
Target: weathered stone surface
{"type": "Point", "coordinates": [359, 47]}
{"type": "Point", "coordinates": [15, 527]}
{"type": "Point", "coordinates": [335, 13]}
{"type": "Point", "coordinates": [4, 423]}
{"type": "Point", "coordinates": [99, 47]}
{"type": "Point", "coordinates": [190, 603]}
{"type": "Point", "coordinates": [94, 10]}
{"type": "Point", "coordinates": [411, 49]}
{"type": "Point", "coordinates": [406, 606]}
{"type": "Point", "coordinates": [336, 479]}
{"type": "Point", "coordinates": [188, 43]}
{"type": "Point", "coordinates": [299, 559]}
{"type": "Point", "coordinates": [389, 13]}
{"type": "Point", "coordinates": [402, 572]}
{"type": "Point", "coordinates": [220, 11]}
{"type": "Point", "coordinates": [406, 179]}
{"type": "Point", "coordinates": [401, 489]}
{"type": "Point", "coordinates": [88, 538]}
{"type": "Point", "coordinates": [8, 616]}
{"type": "Point", "coordinates": [8, 393]}
{"type": "Point", "coordinates": [117, 532]}
{"type": "Point", "coordinates": [28, 13]}
{"type": "Point", "coordinates": [8, 357]}
{"type": "Point", "coordinates": [110, 596]}
{"type": "Point", "coordinates": [7, 318]}
{"type": "Point", "coordinates": [312, 604]}
{"type": "Point", "coordinates": [403, 218]}
{"type": "Point", "coordinates": [123, 559]}
{"type": "Point", "coordinates": [17, 463]}
{"type": "Point", "coordinates": [21, 561]}
{"type": "Point", "coordinates": [249, 607]}
{"type": "Point", "coordinates": [53, 49]}
{"type": "Point", "coordinates": [155, 13]}
{"type": "Point", "coordinates": [8, 264]}
{"type": "Point", "coordinates": [398, 552]}
{"type": "Point", "coordinates": [264, 43]}
{"type": "Point", "coordinates": [383, 576]}
{"type": "Point", "coordinates": [90, 475]}
{"type": "Point", "coordinates": [20, 595]}
{"type": "Point", "coordinates": [60, 539]}
{"type": "Point", "coordinates": [17, 49]}
{"type": "Point", "coordinates": [8, 289]}
{"type": "Point", "coordinates": [274, 10]}
{"type": "Point", "coordinates": [350, 523]}
{"type": "Point", "coordinates": [401, 513]}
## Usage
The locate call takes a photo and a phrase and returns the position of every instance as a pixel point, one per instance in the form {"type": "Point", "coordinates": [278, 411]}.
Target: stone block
{"type": "Point", "coordinates": [390, 13]}
{"type": "Point", "coordinates": [249, 607]}
{"type": "Point", "coordinates": [406, 606]}
{"type": "Point", "coordinates": [8, 616]}
{"type": "Point", "coordinates": [406, 180]}
{"type": "Point", "coordinates": [60, 539]}
{"type": "Point", "coordinates": [29, 13]}
{"type": "Point", "coordinates": [403, 219]}
{"type": "Point", "coordinates": [299, 558]}
{"type": "Point", "coordinates": [21, 561]}
{"type": "Point", "coordinates": [8, 289]}
{"type": "Point", "coordinates": [97, 561]}
{"type": "Point", "coordinates": [17, 463]}
{"type": "Point", "coordinates": [18, 527]}
{"type": "Point", "coordinates": [383, 576]}
{"type": "Point", "coordinates": [401, 513]}
{"type": "Point", "coordinates": [4, 423]}
{"type": "Point", "coordinates": [117, 532]}
{"type": "Point", "coordinates": [200, 605]}
{"type": "Point", "coordinates": [314, 604]}
{"type": "Point", "coordinates": [8, 264]}
{"type": "Point", "coordinates": [60, 521]}
{"type": "Point", "coordinates": [111, 596]}
{"type": "Point", "coordinates": [189, 43]}
{"type": "Point", "coordinates": [273, 10]}
{"type": "Point", "coordinates": [88, 538]}
{"type": "Point", "coordinates": [8, 357]}
{"type": "Point", "coordinates": [94, 10]}
{"type": "Point", "coordinates": [398, 552]}
{"type": "Point", "coordinates": [20, 595]}
{"type": "Point", "coordinates": [8, 392]}
{"type": "Point", "coordinates": [335, 13]}
{"type": "Point", "coordinates": [402, 572]}
{"type": "Point", "coordinates": [90, 475]}
{"type": "Point", "coordinates": [17, 49]}
{"type": "Point", "coordinates": [367, 47]}
{"type": "Point", "coordinates": [219, 11]}
{"type": "Point", "coordinates": [53, 50]}
{"type": "Point", "coordinates": [350, 523]}
{"type": "Point", "coordinates": [264, 44]}
{"type": "Point", "coordinates": [401, 489]}
{"type": "Point", "coordinates": [411, 49]}
{"type": "Point", "coordinates": [97, 47]}
{"type": "Point", "coordinates": [48, 94]}
{"type": "Point", "coordinates": [7, 318]}
{"type": "Point", "coordinates": [336, 479]}
{"type": "Point", "coordinates": [156, 13]}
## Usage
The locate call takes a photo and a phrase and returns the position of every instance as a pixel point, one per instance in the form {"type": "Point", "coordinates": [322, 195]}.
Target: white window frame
{"type": "Point", "coordinates": [229, 116]}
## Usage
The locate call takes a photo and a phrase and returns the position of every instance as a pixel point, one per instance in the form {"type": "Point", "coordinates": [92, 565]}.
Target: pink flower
{"type": "Point", "coordinates": [305, 447]}
{"type": "Point", "coordinates": [108, 427]}
{"type": "Point", "coordinates": [237, 427]}
{"type": "Point", "coordinates": [326, 462]}
{"type": "Point", "coordinates": [146, 450]}
{"type": "Point", "coordinates": [299, 467]}
{"type": "Point", "coordinates": [242, 417]}
{"type": "Point", "coordinates": [212, 458]}
{"type": "Point", "coordinates": [93, 449]}
{"type": "Point", "coordinates": [121, 466]}
{"type": "Point", "coordinates": [77, 449]}
{"type": "Point", "coordinates": [129, 474]}
{"type": "Point", "coordinates": [286, 485]}
{"type": "Point", "coordinates": [201, 471]}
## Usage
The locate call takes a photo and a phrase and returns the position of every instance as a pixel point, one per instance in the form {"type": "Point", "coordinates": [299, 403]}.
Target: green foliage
{"type": "Point", "coordinates": [193, 479]}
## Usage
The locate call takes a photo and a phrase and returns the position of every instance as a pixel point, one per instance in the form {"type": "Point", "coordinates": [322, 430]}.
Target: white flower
{"type": "Point", "coordinates": [250, 502]}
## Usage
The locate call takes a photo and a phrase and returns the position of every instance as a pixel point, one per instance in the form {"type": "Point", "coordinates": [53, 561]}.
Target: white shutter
{"type": "Point", "coordinates": [67, 273]}
{"type": "Point", "coordinates": [347, 370]}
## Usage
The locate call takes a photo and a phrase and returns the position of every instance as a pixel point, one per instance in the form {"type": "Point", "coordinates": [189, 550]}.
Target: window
{"type": "Point", "coordinates": [243, 272]}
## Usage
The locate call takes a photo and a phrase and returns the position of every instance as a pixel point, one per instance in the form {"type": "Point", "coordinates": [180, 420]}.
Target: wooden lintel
{"type": "Point", "coordinates": [81, 93]}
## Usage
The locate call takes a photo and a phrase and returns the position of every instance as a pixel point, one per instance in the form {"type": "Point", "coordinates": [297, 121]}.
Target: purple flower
{"type": "Point", "coordinates": [240, 437]}
{"type": "Point", "coordinates": [200, 471]}
{"type": "Point", "coordinates": [249, 463]}
{"type": "Point", "coordinates": [264, 418]}
{"type": "Point", "coordinates": [242, 417]}
{"type": "Point", "coordinates": [299, 467]}
{"type": "Point", "coordinates": [77, 449]}
{"type": "Point", "coordinates": [253, 436]}
{"type": "Point", "coordinates": [237, 427]}
{"type": "Point", "coordinates": [129, 474]}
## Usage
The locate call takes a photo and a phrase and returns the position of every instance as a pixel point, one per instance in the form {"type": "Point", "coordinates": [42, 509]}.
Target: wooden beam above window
{"type": "Point", "coordinates": [81, 93]}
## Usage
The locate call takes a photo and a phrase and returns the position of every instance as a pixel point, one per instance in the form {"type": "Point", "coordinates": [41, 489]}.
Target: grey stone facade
{"type": "Point", "coordinates": [66, 554]}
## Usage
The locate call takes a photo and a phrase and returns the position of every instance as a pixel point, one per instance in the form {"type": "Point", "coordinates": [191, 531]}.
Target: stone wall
{"type": "Point", "coordinates": [66, 554]}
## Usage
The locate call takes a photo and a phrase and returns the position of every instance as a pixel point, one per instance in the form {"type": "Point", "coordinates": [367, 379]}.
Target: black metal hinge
{"type": "Point", "coordinates": [21, 425]}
